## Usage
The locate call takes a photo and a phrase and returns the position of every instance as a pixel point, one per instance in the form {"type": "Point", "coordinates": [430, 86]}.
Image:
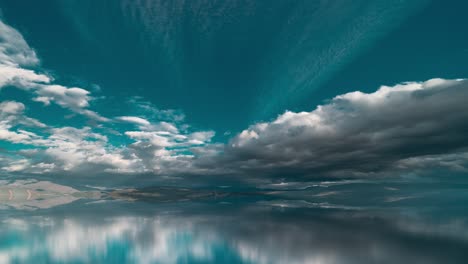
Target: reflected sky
{"type": "Point", "coordinates": [213, 226]}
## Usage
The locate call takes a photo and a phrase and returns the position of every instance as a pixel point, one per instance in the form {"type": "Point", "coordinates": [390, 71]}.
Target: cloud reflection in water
{"type": "Point", "coordinates": [231, 234]}
{"type": "Point", "coordinates": [45, 222]}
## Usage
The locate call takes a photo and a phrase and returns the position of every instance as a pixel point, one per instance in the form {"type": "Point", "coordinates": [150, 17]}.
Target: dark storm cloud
{"type": "Point", "coordinates": [359, 134]}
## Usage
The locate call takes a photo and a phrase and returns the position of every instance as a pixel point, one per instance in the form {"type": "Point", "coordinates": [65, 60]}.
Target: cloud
{"type": "Point", "coordinates": [11, 115]}
{"type": "Point", "coordinates": [456, 162]}
{"type": "Point", "coordinates": [163, 152]}
{"type": "Point", "coordinates": [14, 76]}
{"type": "Point", "coordinates": [135, 120]}
{"type": "Point", "coordinates": [359, 134]}
{"type": "Point", "coordinates": [55, 149]}
{"type": "Point", "coordinates": [14, 50]}
{"type": "Point", "coordinates": [13, 136]}
{"type": "Point", "coordinates": [74, 98]}
{"type": "Point", "coordinates": [76, 149]}
{"type": "Point", "coordinates": [159, 148]}
{"type": "Point", "coordinates": [146, 125]}
{"type": "Point", "coordinates": [11, 108]}
{"type": "Point", "coordinates": [16, 56]}
{"type": "Point", "coordinates": [410, 127]}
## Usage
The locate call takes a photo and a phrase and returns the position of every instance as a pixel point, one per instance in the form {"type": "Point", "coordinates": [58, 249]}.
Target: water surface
{"type": "Point", "coordinates": [326, 222]}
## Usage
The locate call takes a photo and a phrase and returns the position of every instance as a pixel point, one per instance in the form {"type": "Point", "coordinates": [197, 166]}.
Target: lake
{"type": "Point", "coordinates": [321, 222]}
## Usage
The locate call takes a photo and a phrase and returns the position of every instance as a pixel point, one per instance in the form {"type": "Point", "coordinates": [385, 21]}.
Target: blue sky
{"type": "Point", "coordinates": [249, 90]}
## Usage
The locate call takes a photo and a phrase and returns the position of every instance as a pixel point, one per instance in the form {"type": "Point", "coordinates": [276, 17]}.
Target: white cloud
{"type": "Point", "coordinates": [13, 48]}
{"type": "Point", "coordinates": [80, 149]}
{"type": "Point", "coordinates": [145, 125]}
{"type": "Point", "coordinates": [11, 107]}
{"type": "Point", "coordinates": [398, 128]}
{"type": "Point", "coordinates": [135, 120]}
{"type": "Point", "coordinates": [15, 55]}
{"type": "Point", "coordinates": [159, 148]}
{"type": "Point", "coordinates": [12, 114]}
{"type": "Point", "coordinates": [164, 152]}
{"type": "Point", "coordinates": [13, 136]}
{"type": "Point", "coordinates": [359, 134]}
{"type": "Point", "coordinates": [12, 75]}
{"type": "Point", "coordinates": [73, 149]}
{"type": "Point", "coordinates": [199, 138]}
{"type": "Point", "coordinates": [73, 98]}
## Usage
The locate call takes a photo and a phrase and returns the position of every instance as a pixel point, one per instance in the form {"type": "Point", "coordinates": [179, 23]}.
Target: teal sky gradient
{"type": "Point", "coordinates": [214, 86]}
{"type": "Point", "coordinates": [228, 64]}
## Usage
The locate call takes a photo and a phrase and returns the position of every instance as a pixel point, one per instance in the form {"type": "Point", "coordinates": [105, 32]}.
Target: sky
{"type": "Point", "coordinates": [233, 90]}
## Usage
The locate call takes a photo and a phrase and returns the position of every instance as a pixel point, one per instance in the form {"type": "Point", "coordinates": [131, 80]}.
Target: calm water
{"type": "Point", "coordinates": [348, 222]}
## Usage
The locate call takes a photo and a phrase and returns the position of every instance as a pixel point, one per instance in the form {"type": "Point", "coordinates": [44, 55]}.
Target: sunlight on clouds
{"type": "Point", "coordinates": [15, 55]}
{"type": "Point", "coordinates": [11, 114]}
{"type": "Point", "coordinates": [361, 134]}
{"type": "Point", "coordinates": [11, 75]}
{"type": "Point", "coordinates": [75, 149]}
{"type": "Point", "coordinates": [396, 128]}
{"type": "Point", "coordinates": [14, 51]}
{"type": "Point", "coordinates": [135, 120]}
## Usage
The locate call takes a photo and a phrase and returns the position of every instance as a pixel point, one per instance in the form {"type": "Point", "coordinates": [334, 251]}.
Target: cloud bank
{"type": "Point", "coordinates": [407, 128]}
{"type": "Point", "coordinates": [360, 134]}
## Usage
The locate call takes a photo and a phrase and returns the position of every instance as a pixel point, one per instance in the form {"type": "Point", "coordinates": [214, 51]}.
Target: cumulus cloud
{"type": "Point", "coordinates": [74, 98]}
{"type": "Point", "coordinates": [11, 115]}
{"type": "Point", "coordinates": [159, 148]}
{"type": "Point", "coordinates": [55, 149]}
{"type": "Point", "coordinates": [14, 50]}
{"type": "Point", "coordinates": [14, 76]}
{"type": "Point", "coordinates": [163, 152]}
{"type": "Point", "coordinates": [359, 134]}
{"type": "Point", "coordinates": [71, 150]}
{"type": "Point", "coordinates": [409, 127]}
{"type": "Point", "coordinates": [15, 58]}
{"type": "Point", "coordinates": [78, 149]}
{"type": "Point", "coordinates": [11, 108]}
